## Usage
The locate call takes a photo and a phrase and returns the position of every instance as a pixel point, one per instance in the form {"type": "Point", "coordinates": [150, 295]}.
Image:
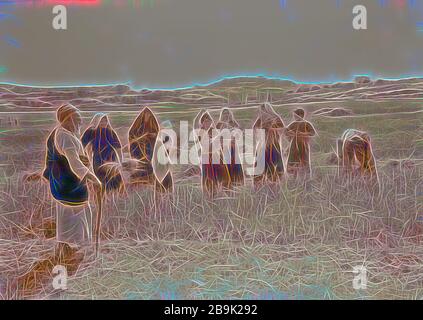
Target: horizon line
{"type": "Point", "coordinates": [212, 82]}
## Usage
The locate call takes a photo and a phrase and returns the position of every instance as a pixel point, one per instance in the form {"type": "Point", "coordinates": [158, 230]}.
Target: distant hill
{"type": "Point", "coordinates": [233, 92]}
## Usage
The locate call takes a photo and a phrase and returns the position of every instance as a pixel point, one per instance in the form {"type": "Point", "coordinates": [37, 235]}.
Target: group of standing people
{"type": "Point", "coordinates": [269, 148]}
{"type": "Point", "coordinates": [82, 167]}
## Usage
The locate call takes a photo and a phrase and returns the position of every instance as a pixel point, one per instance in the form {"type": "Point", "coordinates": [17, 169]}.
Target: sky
{"type": "Point", "coordinates": [177, 43]}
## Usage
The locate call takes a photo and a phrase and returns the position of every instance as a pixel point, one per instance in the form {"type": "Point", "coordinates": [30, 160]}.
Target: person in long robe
{"type": "Point", "coordinates": [227, 119]}
{"type": "Point", "coordinates": [88, 133]}
{"type": "Point", "coordinates": [214, 174]}
{"type": "Point", "coordinates": [196, 126]}
{"type": "Point", "coordinates": [162, 164]}
{"type": "Point", "coordinates": [104, 145]}
{"type": "Point", "coordinates": [142, 139]}
{"type": "Point", "coordinates": [355, 154]}
{"type": "Point", "coordinates": [231, 149]}
{"type": "Point", "coordinates": [68, 178]}
{"type": "Point", "coordinates": [272, 170]}
{"type": "Point", "coordinates": [300, 132]}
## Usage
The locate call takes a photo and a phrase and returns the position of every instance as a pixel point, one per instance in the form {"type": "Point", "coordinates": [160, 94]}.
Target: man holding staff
{"type": "Point", "coordinates": [68, 174]}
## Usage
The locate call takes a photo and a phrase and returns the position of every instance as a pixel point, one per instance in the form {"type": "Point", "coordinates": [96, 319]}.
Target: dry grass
{"type": "Point", "coordinates": [292, 241]}
{"type": "Point", "coordinates": [297, 240]}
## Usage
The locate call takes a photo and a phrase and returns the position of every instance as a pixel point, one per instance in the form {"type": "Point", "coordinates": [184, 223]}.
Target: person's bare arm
{"type": "Point", "coordinates": [133, 164]}
{"type": "Point", "coordinates": [311, 132]}
{"type": "Point", "coordinates": [291, 131]}
{"type": "Point", "coordinates": [307, 132]}
{"type": "Point", "coordinates": [92, 178]}
{"type": "Point", "coordinates": [85, 160]}
{"type": "Point", "coordinates": [32, 177]}
{"type": "Point", "coordinates": [35, 176]}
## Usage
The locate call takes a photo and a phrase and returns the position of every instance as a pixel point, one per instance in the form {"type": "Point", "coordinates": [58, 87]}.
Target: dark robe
{"type": "Point", "coordinates": [65, 185]}
{"type": "Point", "coordinates": [269, 121]}
{"type": "Point", "coordinates": [142, 138]}
{"type": "Point", "coordinates": [166, 185]}
{"type": "Point", "coordinates": [300, 132]}
{"type": "Point", "coordinates": [357, 155]}
{"type": "Point", "coordinates": [214, 176]}
{"type": "Point", "coordinates": [234, 167]}
{"type": "Point", "coordinates": [105, 146]}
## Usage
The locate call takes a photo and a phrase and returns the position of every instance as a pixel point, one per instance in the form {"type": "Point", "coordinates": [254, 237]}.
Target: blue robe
{"type": "Point", "coordinates": [65, 186]}
{"type": "Point", "coordinates": [105, 146]}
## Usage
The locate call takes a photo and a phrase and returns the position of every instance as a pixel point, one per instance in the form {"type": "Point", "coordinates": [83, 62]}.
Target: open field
{"type": "Point", "coordinates": [294, 241]}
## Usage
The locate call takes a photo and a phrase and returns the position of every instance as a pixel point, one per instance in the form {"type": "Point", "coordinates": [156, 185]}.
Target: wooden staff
{"type": "Point", "coordinates": [99, 202]}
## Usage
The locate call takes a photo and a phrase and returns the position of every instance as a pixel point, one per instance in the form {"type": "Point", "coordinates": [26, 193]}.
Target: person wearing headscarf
{"type": "Point", "coordinates": [300, 132]}
{"type": "Point", "coordinates": [214, 173]}
{"type": "Point", "coordinates": [356, 154]}
{"type": "Point", "coordinates": [229, 129]}
{"type": "Point", "coordinates": [227, 120]}
{"type": "Point", "coordinates": [142, 139]}
{"type": "Point", "coordinates": [161, 163]}
{"type": "Point", "coordinates": [105, 149]}
{"type": "Point", "coordinates": [271, 146]}
{"type": "Point", "coordinates": [88, 133]}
